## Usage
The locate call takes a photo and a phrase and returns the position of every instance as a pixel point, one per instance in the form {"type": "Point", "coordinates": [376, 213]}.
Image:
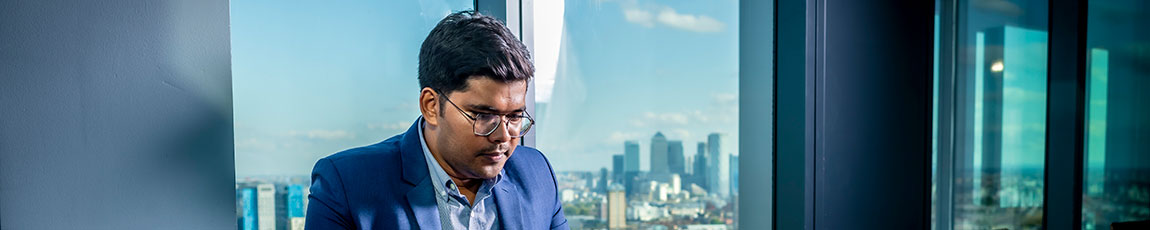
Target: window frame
{"type": "Point", "coordinates": [1065, 114]}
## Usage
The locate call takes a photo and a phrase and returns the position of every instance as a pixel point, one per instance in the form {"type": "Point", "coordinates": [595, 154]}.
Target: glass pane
{"type": "Point", "coordinates": [934, 119]}
{"type": "Point", "coordinates": [1117, 152]}
{"type": "Point", "coordinates": [1000, 114]}
{"type": "Point", "coordinates": [637, 109]}
{"type": "Point", "coordinates": [311, 78]}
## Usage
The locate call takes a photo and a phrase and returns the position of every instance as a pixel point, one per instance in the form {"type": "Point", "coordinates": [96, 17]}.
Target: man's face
{"type": "Point", "coordinates": [473, 156]}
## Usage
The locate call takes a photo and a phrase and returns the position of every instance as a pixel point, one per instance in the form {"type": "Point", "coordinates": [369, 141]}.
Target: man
{"type": "Point", "coordinates": [458, 166]}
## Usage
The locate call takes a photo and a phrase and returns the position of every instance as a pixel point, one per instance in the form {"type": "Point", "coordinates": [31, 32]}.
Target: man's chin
{"type": "Point", "coordinates": [490, 172]}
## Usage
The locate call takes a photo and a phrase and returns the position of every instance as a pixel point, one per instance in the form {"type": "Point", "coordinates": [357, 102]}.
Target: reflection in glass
{"type": "Point", "coordinates": [1117, 140]}
{"type": "Point", "coordinates": [1000, 114]}
{"type": "Point", "coordinates": [934, 125]}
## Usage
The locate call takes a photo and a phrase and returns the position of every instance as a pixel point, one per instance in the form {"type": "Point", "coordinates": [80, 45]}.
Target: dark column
{"type": "Point", "coordinates": [1065, 115]}
{"type": "Point", "coordinates": [873, 114]}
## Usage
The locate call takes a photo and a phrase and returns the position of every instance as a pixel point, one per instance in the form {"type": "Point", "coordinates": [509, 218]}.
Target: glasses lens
{"type": "Point", "coordinates": [485, 123]}
{"type": "Point", "coordinates": [521, 128]}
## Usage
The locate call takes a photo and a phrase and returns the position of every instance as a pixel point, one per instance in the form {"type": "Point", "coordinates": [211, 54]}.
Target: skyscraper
{"type": "Point", "coordinates": [601, 185]}
{"type": "Point", "coordinates": [281, 214]}
{"type": "Point", "coordinates": [266, 210]}
{"type": "Point", "coordinates": [700, 176]}
{"type": "Point", "coordinates": [659, 154]}
{"type": "Point", "coordinates": [718, 167]}
{"type": "Point", "coordinates": [1005, 153]}
{"type": "Point", "coordinates": [295, 206]}
{"type": "Point", "coordinates": [688, 167]}
{"type": "Point", "coordinates": [631, 150]}
{"type": "Point", "coordinates": [675, 159]}
{"type": "Point", "coordinates": [617, 213]}
{"type": "Point", "coordinates": [630, 165]}
{"type": "Point", "coordinates": [617, 168]}
{"type": "Point", "coordinates": [248, 213]}
{"type": "Point", "coordinates": [295, 200]}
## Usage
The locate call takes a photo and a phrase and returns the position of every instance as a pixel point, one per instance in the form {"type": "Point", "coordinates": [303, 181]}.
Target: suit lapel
{"type": "Point", "coordinates": [507, 201]}
{"type": "Point", "coordinates": [420, 198]}
{"type": "Point", "coordinates": [411, 154]}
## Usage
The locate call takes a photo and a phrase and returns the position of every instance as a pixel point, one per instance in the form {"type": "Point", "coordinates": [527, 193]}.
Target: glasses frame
{"type": "Point", "coordinates": [504, 120]}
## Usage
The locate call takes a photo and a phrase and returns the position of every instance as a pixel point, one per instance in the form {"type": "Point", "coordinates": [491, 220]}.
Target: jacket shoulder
{"type": "Point", "coordinates": [531, 166]}
{"type": "Point", "coordinates": [529, 156]}
{"type": "Point", "coordinates": [363, 164]}
{"type": "Point", "coordinates": [382, 150]}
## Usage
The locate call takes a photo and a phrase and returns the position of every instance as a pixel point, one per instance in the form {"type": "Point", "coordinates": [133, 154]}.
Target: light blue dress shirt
{"type": "Point", "coordinates": [455, 212]}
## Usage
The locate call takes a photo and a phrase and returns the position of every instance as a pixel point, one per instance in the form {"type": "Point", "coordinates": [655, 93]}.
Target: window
{"type": "Point", "coordinates": [1116, 187]}
{"type": "Point", "coordinates": [999, 115]}
{"type": "Point", "coordinates": [311, 78]}
{"type": "Point", "coordinates": [637, 110]}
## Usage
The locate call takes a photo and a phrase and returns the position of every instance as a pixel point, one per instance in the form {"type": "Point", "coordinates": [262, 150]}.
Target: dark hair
{"type": "Point", "coordinates": [466, 44]}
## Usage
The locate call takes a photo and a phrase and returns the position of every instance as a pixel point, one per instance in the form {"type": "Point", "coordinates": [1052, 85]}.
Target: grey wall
{"type": "Point", "coordinates": [115, 115]}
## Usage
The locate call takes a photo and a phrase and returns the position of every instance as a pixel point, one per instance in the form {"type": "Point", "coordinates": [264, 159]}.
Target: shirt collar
{"type": "Point", "coordinates": [439, 177]}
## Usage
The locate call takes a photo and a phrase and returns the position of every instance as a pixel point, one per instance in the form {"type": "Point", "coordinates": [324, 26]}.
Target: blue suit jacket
{"type": "Point", "coordinates": [387, 186]}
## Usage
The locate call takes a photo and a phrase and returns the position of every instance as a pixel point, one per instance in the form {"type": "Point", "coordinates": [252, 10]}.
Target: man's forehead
{"type": "Point", "coordinates": [494, 96]}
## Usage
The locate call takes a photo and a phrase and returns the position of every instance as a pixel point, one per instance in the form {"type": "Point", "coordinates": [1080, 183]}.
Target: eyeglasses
{"type": "Point", "coordinates": [483, 124]}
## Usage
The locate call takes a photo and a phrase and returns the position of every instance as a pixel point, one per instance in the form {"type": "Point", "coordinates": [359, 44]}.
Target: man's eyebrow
{"type": "Point", "coordinates": [491, 109]}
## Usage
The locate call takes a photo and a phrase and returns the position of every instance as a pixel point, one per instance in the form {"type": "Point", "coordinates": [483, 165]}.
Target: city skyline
{"type": "Point", "coordinates": [301, 94]}
{"type": "Point", "coordinates": [649, 198]}
{"type": "Point", "coordinates": [271, 203]}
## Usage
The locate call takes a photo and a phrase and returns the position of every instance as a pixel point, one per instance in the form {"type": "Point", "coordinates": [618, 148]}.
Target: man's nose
{"type": "Point", "coordinates": [501, 134]}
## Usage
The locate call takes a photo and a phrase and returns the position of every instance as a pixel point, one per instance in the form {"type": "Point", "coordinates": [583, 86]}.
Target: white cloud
{"type": "Point", "coordinates": [620, 137]}
{"type": "Point", "coordinates": [638, 123]}
{"type": "Point", "coordinates": [399, 125]}
{"type": "Point", "coordinates": [323, 134]}
{"type": "Point", "coordinates": [254, 144]}
{"type": "Point", "coordinates": [664, 15]}
{"type": "Point", "coordinates": [696, 23]}
{"type": "Point", "coordinates": [725, 98]}
{"type": "Point", "coordinates": [641, 17]}
{"type": "Point", "coordinates": [699, 115]}
{"type": "Point", "coordinates": [680, 134]}
{"type": "Point", "coordinates": [671, 118]}
{"type": "Point", "coordinates": [723, 114]}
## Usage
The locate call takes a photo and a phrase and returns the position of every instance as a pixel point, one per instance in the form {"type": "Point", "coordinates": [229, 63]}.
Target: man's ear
{"type": "Point", "coordinates": [429, 106]}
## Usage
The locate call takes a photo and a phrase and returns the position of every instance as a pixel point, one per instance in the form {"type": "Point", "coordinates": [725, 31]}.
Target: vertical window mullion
{"type": "Point", "coordinates": [1065, 116]}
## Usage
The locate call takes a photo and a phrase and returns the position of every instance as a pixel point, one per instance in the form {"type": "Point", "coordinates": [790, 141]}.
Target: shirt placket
{"type": "Point", "coordinates": [480, 207]}
{"type": "Point", "coordinates": [461, 203]}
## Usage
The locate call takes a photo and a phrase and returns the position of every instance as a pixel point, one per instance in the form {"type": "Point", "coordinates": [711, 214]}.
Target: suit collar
{"type": "Point", "coordinates": [411, 154]}
{"type": "Point", "coordinates": [421, 197]}
{"type": "Point", "coordinates": [423, 205]}
{"type": "Point", "coordinates": [507, 200]}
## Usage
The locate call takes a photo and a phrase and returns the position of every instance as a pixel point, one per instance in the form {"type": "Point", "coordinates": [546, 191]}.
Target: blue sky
{"type": "Point", "coordinates": [624, 77]}
{"type": "Point", "coordinates": [313, 78]}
